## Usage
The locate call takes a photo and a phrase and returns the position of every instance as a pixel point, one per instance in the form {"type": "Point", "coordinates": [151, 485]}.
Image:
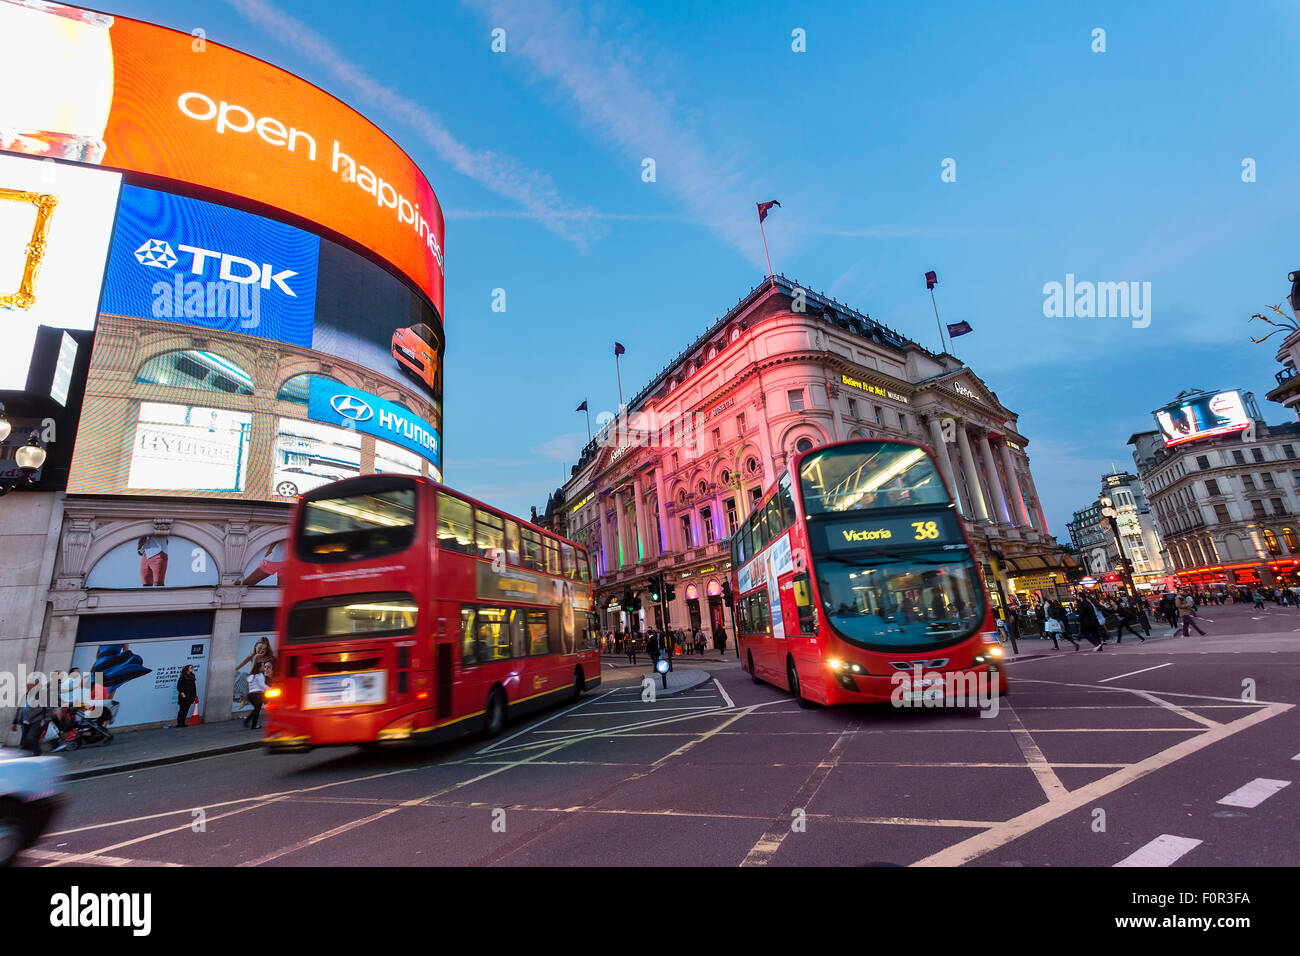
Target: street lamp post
{"type": "Point", "coordinates": [1108, 512]}
{"type": "Point", "coordinates": [994, 557]}
{"type": "Point", "coordinates": [29, 457]}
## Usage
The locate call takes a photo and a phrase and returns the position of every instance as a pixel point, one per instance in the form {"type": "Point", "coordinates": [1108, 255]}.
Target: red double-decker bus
{"type": "Point", "coordinates": [412, 613]}
{"type": "Point", "coordinates": [855, 582]}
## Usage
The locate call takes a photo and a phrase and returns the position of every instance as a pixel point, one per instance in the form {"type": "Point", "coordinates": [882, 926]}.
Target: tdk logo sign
{"type": "Point", "coordinates": [351, 407]}
{"type": "Point", "coordinates": [158, 254]}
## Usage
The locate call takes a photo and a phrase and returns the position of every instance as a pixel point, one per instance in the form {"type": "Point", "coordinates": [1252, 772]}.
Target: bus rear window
{"type": "Point", "coordinates": [869, 474]}
{"type": "Point", "coordinates": [351, 615]}
{"type": "Point", "coordinates": [356, 527]}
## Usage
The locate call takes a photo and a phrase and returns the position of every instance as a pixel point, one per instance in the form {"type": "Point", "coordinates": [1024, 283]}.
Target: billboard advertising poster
{"type": "Point", "coordinates": [189, 448]}
{"type": "Point", "coordinates": [308, 455]}
{"type": "Point", "coordinates": [264, 567]}
{"type": "Point", "coordinates": [1204, 416]}
{"type": "Point", "coordinates": [154, 561]}
{"type": "Point", "coordinates": [336, 404]}
{"type": "Point", "coordinates": [55, 222]}
{"type": "Point", "coordinates": [247, 643]}
{"type": "Point", "coordinates": [211, 266]}
{"type": "Point", "coordinates": [134, 96]}
{"type": "Point", "coordinates": [141, 675]}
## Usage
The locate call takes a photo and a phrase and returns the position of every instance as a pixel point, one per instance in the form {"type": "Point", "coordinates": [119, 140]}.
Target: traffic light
{"type": "Point", "coordinates": [656, 587]}
{"type": "Point", "coordinates": [626, 602]}
{"type": "Point", "coordinates": [728, 598]}
{"type": "Point", "coordinates": [670, 590]}
{"type": "Point", "coordinates": [636, 604]}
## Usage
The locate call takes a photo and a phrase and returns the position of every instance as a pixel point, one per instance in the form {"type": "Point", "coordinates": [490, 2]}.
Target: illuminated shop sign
{"type": "Point", "coordinates": [336, 404]}
{"type": "Point", "coordinates": [874, 389]}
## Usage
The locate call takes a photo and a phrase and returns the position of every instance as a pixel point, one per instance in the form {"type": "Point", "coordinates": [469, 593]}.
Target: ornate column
{"type": "Point", "coordinates": [941, 452]}
{"type": "Point", "coordinates": [972, 473]}
{"type": "Point", "coordinates": [1013, 481]}
{"type": "Point", "coordinates": [621, 525]}
{"type": "Point", "coordinates": [661, 500]}
{"type": "Point", "coordinates": [604, 533]}
{"type": "Point", "coordinates": [765, 442]}
{"type": "Point", "coordinates": [641, 548]}
{"type": "Point", "coordinates": [998, 503]}
{"type": "Point", "coordinates": [837, 422]}
{"type": "Point", "coordinates": [1038, 501]}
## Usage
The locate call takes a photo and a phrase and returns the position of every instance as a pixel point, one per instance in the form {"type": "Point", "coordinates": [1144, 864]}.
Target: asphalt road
{"type": "Point", "coordinates": [1179, 752]}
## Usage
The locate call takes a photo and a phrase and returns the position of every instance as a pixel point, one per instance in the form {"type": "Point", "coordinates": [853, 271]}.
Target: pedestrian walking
{"type": "Point", "coordinates": [1187, 607]}
{"type": "Point", "coordinates": [258, 682]}
{"type": "Point", "coordinates": [32, 719]}
{"type": "Point", "coordinates": [1092, 622]}
{"type": "Point", "coordinates": [1056, 625]}
{"type": "Point", "coordinates": [1128, 618]}
{"type": "Point", "coordinates": [186, 694]}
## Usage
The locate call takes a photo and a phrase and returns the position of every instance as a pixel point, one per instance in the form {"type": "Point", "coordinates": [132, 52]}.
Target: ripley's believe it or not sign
{"type": "Point", "coordinates": [196, 208]}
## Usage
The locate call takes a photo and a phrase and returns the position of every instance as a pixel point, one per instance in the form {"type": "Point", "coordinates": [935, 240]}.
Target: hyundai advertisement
{"type": "Point", "coordinates": [337, 404]}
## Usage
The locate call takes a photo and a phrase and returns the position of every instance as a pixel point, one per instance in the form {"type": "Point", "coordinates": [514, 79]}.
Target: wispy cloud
{"type": "Point", "coordinates": [632, 113]}
{"type": "Point", "coordinates": [564, 448]}
{"type": "Point", "coordinates": [503, 175]}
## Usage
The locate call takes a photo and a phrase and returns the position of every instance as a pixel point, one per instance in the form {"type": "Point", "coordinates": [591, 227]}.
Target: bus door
{"type": "Point", "coordinates": [444, 664]}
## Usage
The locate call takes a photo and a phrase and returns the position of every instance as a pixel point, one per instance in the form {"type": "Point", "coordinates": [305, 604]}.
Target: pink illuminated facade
{"type": "Point", "coordinates": [662, 489]}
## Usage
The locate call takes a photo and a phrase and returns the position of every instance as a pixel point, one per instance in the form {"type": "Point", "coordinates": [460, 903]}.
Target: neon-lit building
{"type": "Point", "coordinates": [662, 488]}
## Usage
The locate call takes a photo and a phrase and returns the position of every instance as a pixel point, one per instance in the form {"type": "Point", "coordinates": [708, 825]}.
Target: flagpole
{"type": "Point", "coordinates": [619, 373]}
{"type": "Point", "coordinates": [937, 323]}
{"type": "Point", "coordinates": [762, 232]}
{"type": "Point", "coordinates": [588, 411]}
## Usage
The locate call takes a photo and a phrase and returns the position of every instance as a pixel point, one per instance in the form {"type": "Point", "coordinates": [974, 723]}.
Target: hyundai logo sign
{"type": "Point", "coordinates": [351, 407]}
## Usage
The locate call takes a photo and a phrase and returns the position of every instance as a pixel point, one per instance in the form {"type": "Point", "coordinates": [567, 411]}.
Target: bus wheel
{"type": "Point", "coordinates": [792, 673]}
{"type": "Point", "coordinates": [494, 719]}
{"type": "Point", "coordinates": [579, 685]}
{"type": "Point", "coordinates": [753, 673]}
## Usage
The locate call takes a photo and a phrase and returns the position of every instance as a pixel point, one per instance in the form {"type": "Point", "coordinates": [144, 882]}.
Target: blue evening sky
{"type": "Point", "coordinates": [1117, 166]}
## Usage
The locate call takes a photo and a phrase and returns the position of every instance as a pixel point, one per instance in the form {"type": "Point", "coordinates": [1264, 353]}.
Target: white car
{"type": "Point", "coordinates": [292, 482]}
{"type": "Point", "coordinates": [31, 791]}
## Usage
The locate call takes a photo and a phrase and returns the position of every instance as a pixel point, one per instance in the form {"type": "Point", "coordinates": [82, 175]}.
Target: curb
{"type": "Point", "coordinates": [145, 763]}
{"type": "Point", "coordinates": [695, 679]}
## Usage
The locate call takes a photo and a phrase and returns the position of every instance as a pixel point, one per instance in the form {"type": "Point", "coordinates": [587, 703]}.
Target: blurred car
{"type": "Point", "coordinates": [31, 791]}
{"type": "Point", "coordinates": [416, 349]}
{"type": "Point", "coordinates": [292, 482]}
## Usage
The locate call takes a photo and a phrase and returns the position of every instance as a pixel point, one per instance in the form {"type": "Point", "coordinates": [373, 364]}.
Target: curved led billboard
{"type": "Point", "coordinates": [127, 95]}
{"type": "Point", "coordinates": [1206, 415]}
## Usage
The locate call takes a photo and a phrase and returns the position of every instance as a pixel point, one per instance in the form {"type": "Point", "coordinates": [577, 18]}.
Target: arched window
{"type": "Point", "coordinates": [1270, 542]}
{"type": "Point", "coordinates": [190, 368]}
{"type": "Point", "coordinates": [296, 388]}
{"type": "Point", "coordinates": [702, 487]}
{"type": "Point", "coordinates": [1289, 537]}
{"type": "Point", "coordinates": [803, 445]}
{"type": "Point", "coordinates": [751, 466]}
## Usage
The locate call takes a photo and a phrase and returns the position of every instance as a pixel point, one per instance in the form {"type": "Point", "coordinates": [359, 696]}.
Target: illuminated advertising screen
{"type": "Point", "coordinates": [308, 455]}
{"type": "Point", "coordinates": [337, 404]}
{"type": "Point", "coordinates": [207, 265]}
{"type": "Point", "coordinates": [55, 222]}
{"type": "Point", "coordinates": [1204, 416]}
{"type": "Point", "coordinates": [133, 96]}
{"type": "Point", "coordinates": [189, 448]}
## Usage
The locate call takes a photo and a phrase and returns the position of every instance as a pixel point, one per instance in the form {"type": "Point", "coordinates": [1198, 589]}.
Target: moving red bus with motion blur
{"type": "Point", "coordinates": [413, 613]}
{"type": "Point", "coordinates": [855, 582]}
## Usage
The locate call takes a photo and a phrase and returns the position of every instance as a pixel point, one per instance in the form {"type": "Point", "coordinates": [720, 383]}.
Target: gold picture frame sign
{"type": "Point", "coordinates": [25, 297]}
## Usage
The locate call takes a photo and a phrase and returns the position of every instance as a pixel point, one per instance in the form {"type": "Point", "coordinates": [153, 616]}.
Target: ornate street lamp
{"type": "Point", "coordinates": [29, 457]}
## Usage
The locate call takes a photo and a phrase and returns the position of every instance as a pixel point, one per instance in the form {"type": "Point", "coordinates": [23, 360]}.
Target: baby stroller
{"type": "Point", "coordinates": [79, 728]}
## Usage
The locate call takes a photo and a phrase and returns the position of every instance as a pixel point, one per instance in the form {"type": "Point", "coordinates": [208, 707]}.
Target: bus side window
{"type": "Point", "coordinates": [803, 601]}
{"type": "Point", "coordinates": [489, 533]}
{"type": "Point", "coordinates": [785, 501]}
{"type": "Point", "coordinates": [570, 560]}
{"type": "Point", "coordinates": [518, 633]}
{"type": "Point", "coordinates": [468, 647]}
{"type": "Point", "coordinates": [512, 542]}
{"type": "Point", "coordinates": [532, 549]}
{"type": "Point", "coordinates": [493, 636]}
{"type": "Point", "coordinates": [455, 524]}
{"type": "Point", "coordinates": [584, 568]}
{"type": "Point", "coordinates": [539, 633]}
{"type": "Point", "coordinates": [552, 557]}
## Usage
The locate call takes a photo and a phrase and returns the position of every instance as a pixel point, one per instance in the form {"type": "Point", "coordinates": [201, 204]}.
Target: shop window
{"type": "Point", "coordinates": [1292, 545]}
{"type": "Point", "coordinates": [190, 368]}
{"type": "Point", "coordinates": [1270, 542]}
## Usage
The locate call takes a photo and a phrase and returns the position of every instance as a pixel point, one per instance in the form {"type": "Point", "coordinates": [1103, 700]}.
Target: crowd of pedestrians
{"type": "Point", "coordinates": [663, 642]}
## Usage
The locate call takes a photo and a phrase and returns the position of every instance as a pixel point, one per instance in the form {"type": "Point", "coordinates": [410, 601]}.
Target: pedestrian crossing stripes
{"type": "Point", "coordinates": [1162, 851]}
{"type": "Point", "coordinates": [1254, 793]}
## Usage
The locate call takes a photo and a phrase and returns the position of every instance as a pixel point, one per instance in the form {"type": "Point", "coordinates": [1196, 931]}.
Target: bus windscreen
{"type": "Point", "coordinates": [349, 527]}
{"type": "Point", "coordinates": [869, 475]}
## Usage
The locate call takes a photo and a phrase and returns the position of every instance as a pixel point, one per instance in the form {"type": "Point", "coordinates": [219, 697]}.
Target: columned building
{"type": "Point", "coordinates": [1138, 531]}
{"type": "Point", "coordinates": [1228, 508]}
{"type": "Point", "coordinates": [662, 488]}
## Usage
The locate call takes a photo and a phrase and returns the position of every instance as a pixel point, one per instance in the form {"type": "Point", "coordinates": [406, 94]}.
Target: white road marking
{"type": "Point", "coordinates": [974, 847]}
{"type": "Point", "coordinates": [1296, 757]}
{"type": "Point", "coordinates": [1131, 673]}
{"type": "Point", "coordinates": [562, 713]}
{"type": "Point", "coordinates": [1161, 851]}
{"type": "Point", "coordinates": [55, 856]}
{"type": "Point", "coordinates": [1254, 793]}
{"type": "Point", "coordinates": [725, 696]}
{"type": "Point", "coordinates": [1042, 770]}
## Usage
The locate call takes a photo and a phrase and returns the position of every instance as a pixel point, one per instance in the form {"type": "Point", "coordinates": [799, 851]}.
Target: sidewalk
{"type": "Point", "coordinates": [680, 679]}
{"type": "Point", "coordinates": [137, 749]}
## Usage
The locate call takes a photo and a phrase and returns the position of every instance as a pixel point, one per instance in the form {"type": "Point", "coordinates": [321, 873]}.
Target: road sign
{"type": "Point", "coordinates": [1088, 582]}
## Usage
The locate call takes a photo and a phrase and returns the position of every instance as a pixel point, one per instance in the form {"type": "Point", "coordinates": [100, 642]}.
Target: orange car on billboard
{"type": "Point", "coordinates": [416, 350]}
{"type": "Point", "coordinates": [134, 96]}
